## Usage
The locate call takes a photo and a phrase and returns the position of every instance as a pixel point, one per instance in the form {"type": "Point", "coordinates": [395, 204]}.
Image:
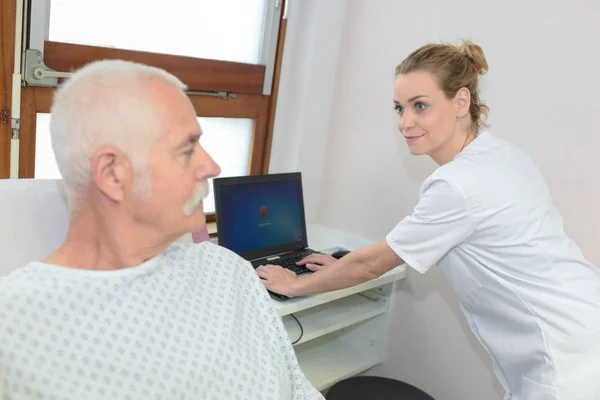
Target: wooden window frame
{"type": "Point", "coordinates": [244, 80]}
{"type": "Point", "coordinates": [7, 57]}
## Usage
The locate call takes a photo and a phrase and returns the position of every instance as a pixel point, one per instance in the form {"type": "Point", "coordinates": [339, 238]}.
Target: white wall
{"type": "Point", "coordinates": [306, 91]}
{"type": "Point", "coordinates": [542, 90]}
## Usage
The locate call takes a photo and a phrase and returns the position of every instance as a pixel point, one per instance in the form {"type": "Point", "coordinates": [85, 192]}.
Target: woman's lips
{"type": "Point", "coordinates": [410, 139]}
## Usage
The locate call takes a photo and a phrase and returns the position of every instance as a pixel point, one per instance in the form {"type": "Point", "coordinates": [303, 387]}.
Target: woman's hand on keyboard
{"type": "Point", "coordinates": [281, 280]}
{"type": "Point", "coordinates": [316, 262]}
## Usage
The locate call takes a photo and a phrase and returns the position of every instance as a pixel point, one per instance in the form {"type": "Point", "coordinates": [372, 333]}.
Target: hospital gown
{"type": "Point", "coordinates": [194, 322]}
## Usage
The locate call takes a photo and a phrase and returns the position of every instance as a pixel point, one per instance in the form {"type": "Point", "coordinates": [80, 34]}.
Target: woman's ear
{"type": "Point", "coordinates": [462, 101]}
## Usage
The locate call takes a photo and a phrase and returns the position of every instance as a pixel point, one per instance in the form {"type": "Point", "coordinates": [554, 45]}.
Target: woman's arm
{"type": "Point", "coordinates": [357, 267]}
{"type": "Point", "coordinates": [441, 220]}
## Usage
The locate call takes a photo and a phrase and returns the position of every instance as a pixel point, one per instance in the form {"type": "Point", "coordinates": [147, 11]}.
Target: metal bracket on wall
{"type": "Point", "coordinates": [36, 73]}
{"type": "Point", "coordinates": [222, 95]}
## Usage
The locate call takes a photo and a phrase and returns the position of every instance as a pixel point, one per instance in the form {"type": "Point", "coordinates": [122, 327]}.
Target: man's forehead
{"type": "Point", "coordinates": [179, 135]}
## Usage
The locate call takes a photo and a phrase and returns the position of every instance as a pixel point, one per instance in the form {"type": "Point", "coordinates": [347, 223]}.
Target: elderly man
{"type": "Point", "coordinates": [120, 311]}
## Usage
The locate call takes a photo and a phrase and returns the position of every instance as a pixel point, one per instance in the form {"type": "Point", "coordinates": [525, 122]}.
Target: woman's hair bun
{"type": "Point", "coordinates": [475, 54]}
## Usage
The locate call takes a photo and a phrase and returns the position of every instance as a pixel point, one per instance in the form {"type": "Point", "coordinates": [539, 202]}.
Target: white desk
{"type": "Point", "coordinates": [344, 330]}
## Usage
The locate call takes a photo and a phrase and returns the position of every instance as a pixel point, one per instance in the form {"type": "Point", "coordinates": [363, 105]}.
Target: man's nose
{"type": "Point", "coordinates": [208, 168]}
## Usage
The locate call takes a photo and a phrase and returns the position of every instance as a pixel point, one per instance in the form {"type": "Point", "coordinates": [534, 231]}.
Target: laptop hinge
{"type": "Point", "coordinates": [279, 255]}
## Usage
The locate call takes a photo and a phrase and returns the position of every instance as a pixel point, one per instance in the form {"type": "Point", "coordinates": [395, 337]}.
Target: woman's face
{"type": "Point", "coordinates": [426, 118]}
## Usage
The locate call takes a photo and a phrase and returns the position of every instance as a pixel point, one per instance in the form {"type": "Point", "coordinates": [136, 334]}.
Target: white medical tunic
{"type": "Point", "coordinates": [195, 322]}
{"type": "Point", "coordinates": [487, 220]}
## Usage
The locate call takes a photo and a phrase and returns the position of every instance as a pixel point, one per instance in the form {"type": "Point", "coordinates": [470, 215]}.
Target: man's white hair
{"type": "Point", "coordinates": [106, 103]}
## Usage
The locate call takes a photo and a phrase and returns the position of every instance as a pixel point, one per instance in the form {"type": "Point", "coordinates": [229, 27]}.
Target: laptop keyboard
{"type": "Point", "coordinates": [288, 262]}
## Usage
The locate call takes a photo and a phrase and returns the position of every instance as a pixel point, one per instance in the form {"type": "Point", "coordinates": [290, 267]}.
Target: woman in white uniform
{"type": "Point", "coordinates": [485, 218]}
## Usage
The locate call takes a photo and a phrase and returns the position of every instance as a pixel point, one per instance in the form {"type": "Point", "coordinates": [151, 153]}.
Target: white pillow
{"type": "Point", "coordinates": [33, 220]}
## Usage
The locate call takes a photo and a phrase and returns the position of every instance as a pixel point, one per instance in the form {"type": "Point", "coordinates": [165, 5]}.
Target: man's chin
{"type": "Point", "coordinates": [197, 220]}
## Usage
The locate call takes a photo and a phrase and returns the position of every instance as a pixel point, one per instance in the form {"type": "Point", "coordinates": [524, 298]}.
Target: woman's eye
{"type": "Point", "coordinates": [399, 109]}
{"type": "Point", "coordinates": [420, 106]}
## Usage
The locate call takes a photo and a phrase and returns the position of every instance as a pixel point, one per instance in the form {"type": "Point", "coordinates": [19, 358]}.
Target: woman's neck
{"type": "Point", "coordinates": [458, 142]}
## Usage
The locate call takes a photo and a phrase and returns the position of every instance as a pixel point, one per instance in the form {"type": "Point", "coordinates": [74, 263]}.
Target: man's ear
{"type": "Point", "coordinates": [462, 101]}
{"type": "Point", "coordinates": [112, 173]}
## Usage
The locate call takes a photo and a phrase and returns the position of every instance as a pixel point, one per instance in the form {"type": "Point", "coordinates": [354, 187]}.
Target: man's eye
{"type": "Point", "coordinates": [186, 156]}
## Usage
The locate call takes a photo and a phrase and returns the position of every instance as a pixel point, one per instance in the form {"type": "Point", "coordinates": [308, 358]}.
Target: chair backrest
{"type": "Point", "coordinates": [34, 219]}
{"type": "Point", "coordinates": [375, 387]}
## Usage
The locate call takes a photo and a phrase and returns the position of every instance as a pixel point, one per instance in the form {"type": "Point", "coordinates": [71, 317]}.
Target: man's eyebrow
{"type": "Point", "coordinates": [191, 140]}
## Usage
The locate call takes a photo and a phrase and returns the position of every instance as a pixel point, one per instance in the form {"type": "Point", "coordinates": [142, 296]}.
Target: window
{"type": "Point", "coordinates": [238, 36]}
{"type": "Point", "coordinates": [45, 164]}
{"type": "Point", "coordinates": [228, 52]}
{"type": "Point", "coordinates": [238, 25]}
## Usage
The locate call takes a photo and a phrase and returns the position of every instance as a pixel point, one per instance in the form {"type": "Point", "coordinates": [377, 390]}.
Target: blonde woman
{"type": "Point", "coordinates": [485, 218]}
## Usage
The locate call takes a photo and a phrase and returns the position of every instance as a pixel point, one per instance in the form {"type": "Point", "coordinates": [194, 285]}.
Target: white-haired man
{"type": "Point", "coordinates": [120, 311]}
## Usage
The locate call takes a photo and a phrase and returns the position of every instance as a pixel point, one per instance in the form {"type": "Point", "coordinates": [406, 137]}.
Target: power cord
{"type": "Point", "coordinates": [301, 329]}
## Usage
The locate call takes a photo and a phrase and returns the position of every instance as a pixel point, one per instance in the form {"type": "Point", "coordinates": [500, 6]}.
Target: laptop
{"type": "Point", "coordinates": [261, 218]}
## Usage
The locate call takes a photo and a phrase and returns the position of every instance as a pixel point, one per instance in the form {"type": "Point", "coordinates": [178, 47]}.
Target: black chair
{"type": "Point", "coordinates": [375, 388]}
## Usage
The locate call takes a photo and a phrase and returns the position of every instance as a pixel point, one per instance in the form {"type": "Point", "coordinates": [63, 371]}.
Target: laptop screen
{"type": "Point", "coordinates": [260, 215]}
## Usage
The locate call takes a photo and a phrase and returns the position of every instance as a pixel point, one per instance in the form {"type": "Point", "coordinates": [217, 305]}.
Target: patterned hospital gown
{"type": "Point", "coordinates": [194, 322]}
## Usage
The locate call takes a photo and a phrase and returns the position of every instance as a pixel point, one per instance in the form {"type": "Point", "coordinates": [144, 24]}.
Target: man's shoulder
{"type": "Point", "coordinates": [203, 248]}
{"type": "Point", "coordinates": [212, 262]}
{"type": "Point", "coordinates": [207, 254]}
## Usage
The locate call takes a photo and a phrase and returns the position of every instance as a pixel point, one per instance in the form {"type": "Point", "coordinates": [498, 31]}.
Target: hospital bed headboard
{"type": "Point", "coordinates": [33, 220]}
